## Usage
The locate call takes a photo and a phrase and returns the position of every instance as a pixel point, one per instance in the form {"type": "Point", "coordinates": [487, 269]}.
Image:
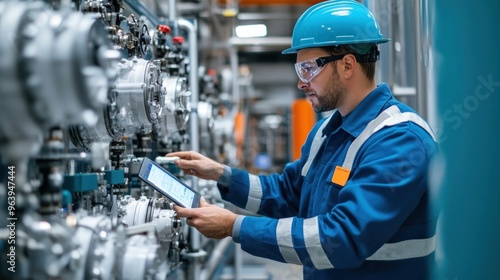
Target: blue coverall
{"type": "Point", "coordinates": [377, 225]}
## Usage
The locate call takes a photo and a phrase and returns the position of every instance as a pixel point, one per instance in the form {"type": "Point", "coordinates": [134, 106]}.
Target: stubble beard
{"type": "Point", "coordinates": [332, 97]}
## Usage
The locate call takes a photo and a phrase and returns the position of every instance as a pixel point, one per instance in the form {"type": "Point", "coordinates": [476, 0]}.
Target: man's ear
{"type": "Point", "coordinates": [348, 65]}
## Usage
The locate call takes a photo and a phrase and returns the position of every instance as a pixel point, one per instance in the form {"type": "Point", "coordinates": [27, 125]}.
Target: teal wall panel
{"type": "Point", "coordinates": [465, 54]}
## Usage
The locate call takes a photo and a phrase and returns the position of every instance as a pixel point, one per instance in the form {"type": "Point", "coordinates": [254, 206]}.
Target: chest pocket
{"type": "Point", "coordinates": [324, 193]}
{"type": "Point", "coordinates": [330, 196]}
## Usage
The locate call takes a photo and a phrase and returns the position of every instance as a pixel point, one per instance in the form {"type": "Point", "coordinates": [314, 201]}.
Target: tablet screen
{"type": "Point", "coordinates": [169, 185]}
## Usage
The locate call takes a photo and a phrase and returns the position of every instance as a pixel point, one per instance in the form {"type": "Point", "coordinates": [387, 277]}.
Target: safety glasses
{"type": "Point", "coordinates": [307, 70]}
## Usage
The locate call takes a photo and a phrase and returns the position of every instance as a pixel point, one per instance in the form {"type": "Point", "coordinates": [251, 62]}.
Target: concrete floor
{"type": "Point", "coordinates": [256, 268]}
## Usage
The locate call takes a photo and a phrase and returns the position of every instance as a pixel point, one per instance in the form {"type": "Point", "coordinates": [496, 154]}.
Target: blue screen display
{"type": "Point", "coordinates": [171, 186]}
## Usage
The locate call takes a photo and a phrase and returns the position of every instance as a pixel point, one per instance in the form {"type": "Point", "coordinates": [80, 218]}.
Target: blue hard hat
{"type": "Point", "coordinates": [333, 23]}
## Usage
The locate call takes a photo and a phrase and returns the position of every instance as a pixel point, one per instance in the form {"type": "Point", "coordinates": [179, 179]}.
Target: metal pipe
{"type": "Point", "coordinates": [193, 79]}
{"type": "Point", "coordinates": [238, 261]}
{"type": "Point", "coordinates": [275, 41]}
{"type": "Point", "coordinates": [399, 52]}
{"type": "Point", "coordinates": [191, 8]}
{"type": "Point", "coordinates": [194, 133]}
{"type": "Point", "coordinates": [172, 17]}
{"type": "Point", "coordinates": [234, 63]}
{"type": "Point", "coordinates": [216, 257]}
{"type": "Point", "coordinates": [148, 228]}
{"type": "Point", "coordinates": [138, 8]}
{"type": "Point", "coordinates": [393, 26]}
{"type": "Point", "coordinates": [233, 59]}
{"type": "Point", "coordinates": [172, 10]}
{"type": "Point", "coordinates": [420, 79]}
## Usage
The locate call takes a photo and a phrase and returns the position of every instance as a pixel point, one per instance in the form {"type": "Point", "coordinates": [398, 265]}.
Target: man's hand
{"type": "Point", "coordinates": [212, 221]}
{"type": "Point", "coordinates": [193, 163]}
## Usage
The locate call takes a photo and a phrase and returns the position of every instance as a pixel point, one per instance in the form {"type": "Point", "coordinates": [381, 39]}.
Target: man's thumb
{"type": "Point", "coordinates": [203, 202]}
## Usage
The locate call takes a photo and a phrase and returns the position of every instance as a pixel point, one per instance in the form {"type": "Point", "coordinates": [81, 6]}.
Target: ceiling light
{"type": "Point", "coordinates": [254, 30]}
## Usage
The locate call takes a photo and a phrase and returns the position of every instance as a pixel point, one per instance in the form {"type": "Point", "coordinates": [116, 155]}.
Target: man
{"type": "Point", "coordinates": [354, 206]}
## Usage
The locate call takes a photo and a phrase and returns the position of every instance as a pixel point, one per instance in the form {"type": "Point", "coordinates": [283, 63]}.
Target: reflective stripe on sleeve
{"type": "Point", "coordinates": [313, 244]}
{"type": "Point", "coordinates": [315, 145]}
{"type": "Point", "coordinates": [407, 249]}
{"type": "Point", "coordinates": [254, 194]}
{"type": "Point", "coordinates": [285, 242]}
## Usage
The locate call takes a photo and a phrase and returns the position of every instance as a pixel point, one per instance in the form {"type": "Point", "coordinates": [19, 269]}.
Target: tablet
{"type": "Point", "coordinates": [167, 184]}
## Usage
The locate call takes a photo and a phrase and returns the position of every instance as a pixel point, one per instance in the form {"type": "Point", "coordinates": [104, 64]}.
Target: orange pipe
{"type": "Point", "coordinates": [303, 119]}
{"type": "Point", "coordinates": [239, 134]}
{"type": "Point", "coordinates": [239, 128]}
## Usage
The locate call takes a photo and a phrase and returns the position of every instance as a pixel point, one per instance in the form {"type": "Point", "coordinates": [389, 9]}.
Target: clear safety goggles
{"type": "Point", "coordinates": [307, 70]}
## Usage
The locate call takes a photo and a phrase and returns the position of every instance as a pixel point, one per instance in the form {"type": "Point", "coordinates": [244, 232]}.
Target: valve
{"type": "Point", "coordinates": [178, 39]}
{"type": "Point", "coordinates": [164, 29]}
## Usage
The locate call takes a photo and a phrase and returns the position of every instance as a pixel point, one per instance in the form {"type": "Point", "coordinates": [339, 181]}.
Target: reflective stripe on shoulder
{"type": "Point", "coordinates": [389, 117]}
{"type": "Point", "coordinates": [407, 249]}
{"type": "Point", "coordinates": [315, 145]}
{"type": "Point", "coordinates": [254, 194]}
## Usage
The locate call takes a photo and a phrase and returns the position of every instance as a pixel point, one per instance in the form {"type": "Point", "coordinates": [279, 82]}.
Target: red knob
{"type": "Point", "coordinates": [211, 72]}
{"type": "Point", "coordinates": [164, 28]}
{"type": "Point", "coordinates": [178, 39]}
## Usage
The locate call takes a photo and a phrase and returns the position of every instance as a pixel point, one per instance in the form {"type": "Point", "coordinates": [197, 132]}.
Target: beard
{"type": "Point", "coordinates": [332, 97]}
